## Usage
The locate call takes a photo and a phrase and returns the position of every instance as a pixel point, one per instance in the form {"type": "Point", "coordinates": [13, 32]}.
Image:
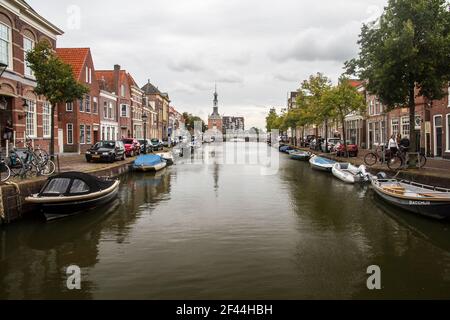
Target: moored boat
{"type": "Point", "coordinates": [149, 162]}
{"type": "Point", "coordinates": [73, 192]}
{"type": "Point", "coordinates": [322, 164]}
{"type": "Point", "coordinates": [286, 149]}
{"type": "Point", "coordinates": [350, 173]}
{"type": "Point", "coordinates": [418, 198]}
{"type": "Point", "coordinates": [167, 156]}
{"type": "Point", "coordinates": [300, 155]}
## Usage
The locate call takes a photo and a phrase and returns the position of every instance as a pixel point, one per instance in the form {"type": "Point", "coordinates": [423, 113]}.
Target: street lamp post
{"type": "Point", "coordinates": [144, 119]}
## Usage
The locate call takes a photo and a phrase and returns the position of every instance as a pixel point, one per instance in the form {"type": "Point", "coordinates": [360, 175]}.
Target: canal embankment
{"type": "Point", "coordinates": [12, 195]}
{"type": "Point", "coordinates": [435, 173]}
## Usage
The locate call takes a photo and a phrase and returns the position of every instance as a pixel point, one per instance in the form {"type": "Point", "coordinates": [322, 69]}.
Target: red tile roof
{"type": "Point", "coordinates": [355, 83]}
{"type": "Point", "coordinates": [75, 57]}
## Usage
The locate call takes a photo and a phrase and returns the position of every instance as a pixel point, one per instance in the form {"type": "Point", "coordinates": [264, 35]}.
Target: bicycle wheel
{"type": "Point", "coordinates": [42, 155]}
{"type": "Point", "coordinates": [423, 161]}
{"type": "Point", "coordinates": [371, 159]}
{"type": "Point", "coordinates": [16, 166]}
{"type": "Point", "coordinates": [48, 169]}
{"type": "Point", "coordinates": [5, 172]}
{"type": "Point", "coordinates": [395, 163]}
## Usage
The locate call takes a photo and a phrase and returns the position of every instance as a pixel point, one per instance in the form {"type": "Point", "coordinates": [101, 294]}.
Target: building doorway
{"type": "Point", "coordinates": [438, 136]}
{"type": "Point", "coordinates": [5, 116]}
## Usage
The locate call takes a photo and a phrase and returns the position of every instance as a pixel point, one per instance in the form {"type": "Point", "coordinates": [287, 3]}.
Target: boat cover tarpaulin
{"type": "Point", "coordinates": [148, 160]}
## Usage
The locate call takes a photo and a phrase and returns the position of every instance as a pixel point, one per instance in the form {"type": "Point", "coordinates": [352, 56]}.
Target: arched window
{"type": "Point", "coordinates": [28, 45]}
{"type": "Point", "coordinates": [5, 41]}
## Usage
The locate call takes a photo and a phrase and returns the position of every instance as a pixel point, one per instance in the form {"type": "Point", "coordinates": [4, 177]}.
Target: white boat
{"type": "Point", "coordinates": [149, 162]}
{"type": "Point", "coordinates": [350, 173]}
{"type": "Point", "coordinates": [167, 156]}
{"type": "Point", "coordinates": [414, 197]}
{"type": "Point", "coordinates": [322, 164]}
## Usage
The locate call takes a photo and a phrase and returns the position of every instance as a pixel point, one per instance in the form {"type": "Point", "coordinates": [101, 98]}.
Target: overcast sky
{"type": "Point", "coordinates": [256, 50]}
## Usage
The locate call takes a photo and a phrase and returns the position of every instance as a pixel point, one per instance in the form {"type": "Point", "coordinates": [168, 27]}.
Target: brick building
{"type": "Point", "coordinates": [438, 128]}
{"type": "Point", "coordinates": [79, 121]}
{"type": "Point", "coordinates": [117, 82]}
{"type": "Point", "coordinates": [109, 112]}
{"type": "Point", "coordinates": [161, 102]}
{"type": "Point", "coordinates": [21, 28]}
{"type": "Point", "coordinates": [215, 121]}
{"type": "Point", "coordinates": [137, 95]}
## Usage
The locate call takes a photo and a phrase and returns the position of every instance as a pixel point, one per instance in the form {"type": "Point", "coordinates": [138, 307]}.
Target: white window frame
{"type": "Point", "coordinates": [397, 120]}
{"type": "Point", "coordinates": [9, 46]}
{"type": "Point", "coordinates": [46, 119]}
{"type": "Point", "coordinates": [88, 134]}
{"type": "Point", "coordinates": [71, 106]}
{"type": "Point", "coordinates": [94, 106]}
{"type": "Point", "coordinates": [82, 134]}
{"type": "Point", "coordinates": [33, 125]}
{"type": "Point", "coordinates": [448, 96]}
{"type": "Point", "coordinates": [87, 74]}
{"type": "Point", "coordinates": [69, 141]}
{"type": "Point", "coordinates": [87, 104]}
{"type": "Point", "coordinates": [402, 123]}
{"type": "Point", "coordinates": [434, 131]}
{"type": "Point", "coordinates": [25, 51]}
{"type": "Point", "coordinates": [126, 111]}
{"type": "Point", "coordinates": [110, 111]}
{"type": "Point", "coordinates": [447, 133]}
{"type": "Point", "coordinates": [122, 90]}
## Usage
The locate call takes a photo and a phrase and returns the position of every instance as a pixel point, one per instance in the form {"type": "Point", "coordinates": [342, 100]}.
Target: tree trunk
{"type": "Point", "coordinates": [52, 132]}
{"type": "Point", "coordinates": [344, 136]}
{"type": "Point", "coordinates": [412, 128]}
{"type": "Point", "coordinates": [326, 135]}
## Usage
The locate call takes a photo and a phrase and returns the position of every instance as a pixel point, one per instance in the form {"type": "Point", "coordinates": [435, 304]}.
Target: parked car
{"type": "Point", "coordinates": [146, 144]}
{"type": "Point", "coordinates": [157, 144]}
{"type": "Point", "coordinates": [109, 151]}
{"type": "Point", "coordinates": [307, 141]}
{"type": "Point", "coordinates": [352, 149]}
{"type": "Point", "coordinates": [132, 147]}
{"type": "Point", "coordinates": [166, 143]}
{"type": "Point", "coordinates": [315, 144]}
{"type": "Point", "coordinates": [331, 143]}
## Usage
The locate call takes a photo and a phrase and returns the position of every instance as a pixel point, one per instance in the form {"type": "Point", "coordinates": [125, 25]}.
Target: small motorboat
{"type": "Point", "coordinates": [322, 164]}
{"type": "Point", "coordinates": [73, 192]}
{"type": "Point", "coordinates": [149, 162]}
{"type": "Point", "coordinates": [286, 149]}
{"type": "Point", "coordinates": [350, 173]}
{"type": "Point", "coordinates": [300, 155]}
{"type": "Point", "coordinates": [167, 156]}
{"type": "Point", "coordinates": [418, 198]}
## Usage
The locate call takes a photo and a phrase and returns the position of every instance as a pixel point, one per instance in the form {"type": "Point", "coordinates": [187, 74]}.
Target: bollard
{"type": "Point", "coordinates": [2, 209]}
{"type": "Point", "coordinates": [57, 161]}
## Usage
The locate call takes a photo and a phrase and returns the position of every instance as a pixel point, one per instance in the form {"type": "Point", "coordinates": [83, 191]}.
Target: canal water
{"type": "Point", "coordinates": [227, 231]}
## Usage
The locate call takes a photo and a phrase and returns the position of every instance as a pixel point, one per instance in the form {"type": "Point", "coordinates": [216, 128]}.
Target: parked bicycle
{"type": "Point", "coordinates": [5, 171]}
{"type": "Point", "coordinates": [30, 162]}
{"type": "Point", "coordinates": [374, 157]}
{"type": "Point", "coordinates": [401, 160]}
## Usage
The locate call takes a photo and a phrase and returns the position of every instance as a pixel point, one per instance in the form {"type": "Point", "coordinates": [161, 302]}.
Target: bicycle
{"type": "Point", "coordinates": [372, 158]}
{"type": "Point", "coordinates": [33, 163]}
{"type": "Point", "coordinates": [401, 159]}
{"type": "Point", "coordinates": [5, 171]}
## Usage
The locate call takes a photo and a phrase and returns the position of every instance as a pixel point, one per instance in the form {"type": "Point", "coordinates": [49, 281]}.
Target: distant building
{"type": "Point", "coordinates": [233, 124]}
{"type": "Point", "coordinates": [215, 121]}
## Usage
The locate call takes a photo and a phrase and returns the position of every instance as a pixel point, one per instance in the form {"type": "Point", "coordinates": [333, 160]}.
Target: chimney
{"type": "Point", "coordinates": [116, 78]}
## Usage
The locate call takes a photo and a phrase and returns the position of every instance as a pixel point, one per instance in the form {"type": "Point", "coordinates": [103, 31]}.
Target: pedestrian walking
{"type": "Point", "coordinates": [8, 132]}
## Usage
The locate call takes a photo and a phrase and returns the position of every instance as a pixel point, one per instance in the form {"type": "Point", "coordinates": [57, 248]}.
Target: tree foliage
{"type": "Point", "coordinates": [407, 49]}
{"type": "Point", "coordinates": [55, 81]}
{"type": "Point", "coordinates": [190, 121]}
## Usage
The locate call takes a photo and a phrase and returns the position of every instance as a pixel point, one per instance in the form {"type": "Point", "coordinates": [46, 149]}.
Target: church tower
{"type": "Point", "coordinates": [215, 121]}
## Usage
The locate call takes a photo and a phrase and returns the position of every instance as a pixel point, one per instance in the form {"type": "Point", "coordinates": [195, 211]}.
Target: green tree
{"type": "Point", "coordinates": [55, 81]}
{"type": "Point", "coordinates": [190, 121]}
{"type": "Point", "coordinates": [310, 102]}
{"type": "Point", "coordinates": [271, 120]}
{"type": "Point", "coordinates": [343, 100]}
{"type": "Point", "coordinates": [406, 52]}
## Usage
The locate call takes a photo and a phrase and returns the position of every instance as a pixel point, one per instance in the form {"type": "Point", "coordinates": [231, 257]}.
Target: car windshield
{"type": "Point", "coordinates": [105, 144]}
{"type": "Point", "coordinates": [155, 141]}
{"type": "Point", "coordinates": [128, 141]}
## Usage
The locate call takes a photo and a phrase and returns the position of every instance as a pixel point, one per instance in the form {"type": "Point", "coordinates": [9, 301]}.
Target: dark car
{"type": "Point", "coordinates": [157, 144]}
{"type": "Point", "coordinates": [109, 151]}
{"type": "Point", "coordinates": [308, 140]}
{"type": "Point", "coordinates": [146, 144]}
{"type": "Point", "coordinates": [132, 147]}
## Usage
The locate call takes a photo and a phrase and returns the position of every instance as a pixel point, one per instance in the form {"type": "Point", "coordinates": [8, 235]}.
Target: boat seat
{"type": "Point", "coordinates": [399, 190]}
{"type": "Point", "coordinates": [430, 195]}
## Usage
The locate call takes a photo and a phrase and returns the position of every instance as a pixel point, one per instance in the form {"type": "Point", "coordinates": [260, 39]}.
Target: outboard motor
{"type": "Point", "coordinates": [362, 171]}
{"type": "Point", "coordinates": [382, 176]}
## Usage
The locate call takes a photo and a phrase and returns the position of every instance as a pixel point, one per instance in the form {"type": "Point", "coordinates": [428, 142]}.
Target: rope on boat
{"type": "Point", "coordinates": [19, 200]}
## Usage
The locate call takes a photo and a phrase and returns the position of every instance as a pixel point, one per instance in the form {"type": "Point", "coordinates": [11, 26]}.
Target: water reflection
{"type": "Point", "coordinates": [34, 256]}
{"type": "Point", "coordinates": [220, 231]}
